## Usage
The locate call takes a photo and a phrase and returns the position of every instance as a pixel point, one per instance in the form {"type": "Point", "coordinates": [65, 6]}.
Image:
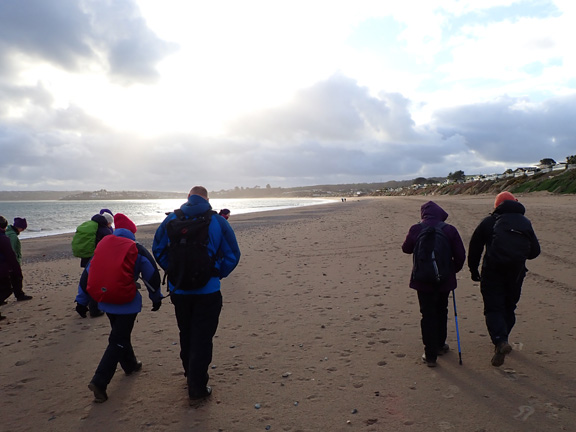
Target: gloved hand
{"type": "Point", "coordinates": [156, 306]}
{"type": "Point", "coordinates": [81, 309]}
{"type": "Point", "coordinates": [475, 275]}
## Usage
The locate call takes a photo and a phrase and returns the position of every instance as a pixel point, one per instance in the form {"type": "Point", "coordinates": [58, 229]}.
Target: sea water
{"type": "Point", "coordinates": [59, 217]}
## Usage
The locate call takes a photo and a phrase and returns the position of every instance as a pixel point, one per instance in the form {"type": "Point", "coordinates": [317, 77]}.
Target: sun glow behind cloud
{"type": "Point", "coordinates": [285, 92]}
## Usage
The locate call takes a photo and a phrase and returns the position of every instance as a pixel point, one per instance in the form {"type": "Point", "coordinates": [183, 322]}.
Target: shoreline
{"type": "Point", "coordinates": [319, 330]}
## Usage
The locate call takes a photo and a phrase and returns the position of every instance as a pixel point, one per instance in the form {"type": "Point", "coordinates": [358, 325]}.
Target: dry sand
{"type": "Point", "coordinates": [319, 332]}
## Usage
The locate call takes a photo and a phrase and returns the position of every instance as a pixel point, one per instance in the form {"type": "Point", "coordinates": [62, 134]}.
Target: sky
{"type": "Point", "coordinates": [165, 95]}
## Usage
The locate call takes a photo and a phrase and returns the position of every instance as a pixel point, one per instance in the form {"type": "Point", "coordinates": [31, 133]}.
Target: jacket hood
{"type": "Point", "coordinates": [510, 207]}
{"type": "Point", "coordinates": [123, 232]}
{"type": "Point", "coordinates": [432, 211]}
{"type": "Point", "coordinates": [100, 220]}
{"type": "Point", "coordinates": [195, 205]}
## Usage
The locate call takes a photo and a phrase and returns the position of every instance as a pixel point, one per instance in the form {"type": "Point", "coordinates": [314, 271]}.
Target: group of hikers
{"type": "Point", "coordinates": [505, 239]}
{"type": "Point", "coordinates": [196, 248]}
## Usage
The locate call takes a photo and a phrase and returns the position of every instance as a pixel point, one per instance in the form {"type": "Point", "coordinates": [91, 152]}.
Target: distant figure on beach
{"type": "Point", "coordinates": [225, 213]}
{"type": "Point", "coordinates": [103, 271]}
{"type": "Point", "coordinates": [13, 232]}
{"type": "Point", "coordinates": [433, 294]}
{"type": "Point", "coordinates": [197, 300]}
{"type": "Point", "coordinates": [507, 239]}
{"type": "Point", "coordinates": [9, 266]}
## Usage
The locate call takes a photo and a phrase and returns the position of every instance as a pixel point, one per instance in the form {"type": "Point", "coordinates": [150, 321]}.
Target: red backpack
{"type": "Point", "coordinates": [111, 275]}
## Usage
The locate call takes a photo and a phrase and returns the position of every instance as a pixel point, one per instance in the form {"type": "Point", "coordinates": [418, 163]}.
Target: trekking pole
{"type": "Point", "coordinates": [457, 332]}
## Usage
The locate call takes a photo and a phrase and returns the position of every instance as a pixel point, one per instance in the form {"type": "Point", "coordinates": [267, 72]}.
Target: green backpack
{"type": "Point", "coordinates": [84, 240]}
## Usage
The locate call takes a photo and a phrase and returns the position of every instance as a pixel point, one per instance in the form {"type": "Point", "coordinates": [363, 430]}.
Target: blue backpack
{"type": "Point", "coordinates": [432, 256]}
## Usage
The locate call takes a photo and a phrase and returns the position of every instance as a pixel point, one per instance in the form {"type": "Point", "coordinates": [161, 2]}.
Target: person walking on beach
{"type": "Point", "coordinates": [507, 239]}
{"type": "Point", "coordinates": [111, 272]}
{"type": "Point", "coordinates": [13, 232]}
{"type": "Point", "coordinates": [9, 266]}
{"type": "Point", "coordinates": [83, 244]}
{"type": "Point", "coordinates": [225, 213]}
{"type": "Point", "coordinates": [433, 293]}
{"type": "Point", "coordinates": [197, 301]}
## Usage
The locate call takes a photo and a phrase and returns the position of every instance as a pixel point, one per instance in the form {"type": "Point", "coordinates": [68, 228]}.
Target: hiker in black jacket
{"type": "Point", "coordinates": [501, 278]}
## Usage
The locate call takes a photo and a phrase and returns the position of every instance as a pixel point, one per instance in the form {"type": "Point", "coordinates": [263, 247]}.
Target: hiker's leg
{"type": "Point", "coordinates": [17, 283]}
{"type": "Point", "coordinates": [128, 358]}
{"type": "Point", "coordinates": [515, 280]}
{"type": "Point", "coordinates": [205, 319]}
{"type": "Point", "coordinates": [5, 288]}
{"type": "Point", "coordinates": [429, 323]}
{"type": "Point", "coordinates": [183, 312]}
{"type": "Point", "coordinates": [494, 296]}
{"type": "Point", "coordinates": [93, 307]}
{"type": "Point", "coordinates": [116, 351]}
{"type": "Point", "coordinates": [442, 314]}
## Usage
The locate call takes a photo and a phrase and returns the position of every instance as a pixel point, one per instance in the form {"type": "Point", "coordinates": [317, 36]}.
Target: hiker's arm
{"type": "Point", "coordinates": [150, 275]}
{"type": "Point", "coordinates": [458, 250]}
{"type": "Point", "coordinates": [410, 241]}
{"type": "Point", "coordinates": [534, 246]}
{"type": "Point", "coordinates": [229, 249]}
{"type": "Point", "coordinates": [160, 246]}
{"type": "Point", "coordinates": [477, 243]}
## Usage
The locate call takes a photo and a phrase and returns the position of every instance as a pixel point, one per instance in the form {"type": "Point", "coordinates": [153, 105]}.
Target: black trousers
{"type": "Point", "coordinates": [501, 289]}
{"type": "Point", "coordinates": [119, 349]}
{"type": "Point", "coordinates": [434, 310]}
{"type": "Point", "coordinates": [9, 285]}
{"type": "Point", "coordinates": [197, 317]}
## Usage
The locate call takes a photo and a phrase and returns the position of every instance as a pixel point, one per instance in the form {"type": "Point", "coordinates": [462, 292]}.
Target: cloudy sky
{"type": "Point", "coordinates": [162, 95]}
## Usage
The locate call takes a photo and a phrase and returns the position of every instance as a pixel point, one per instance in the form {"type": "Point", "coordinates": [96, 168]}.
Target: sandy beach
{"type": "Point", "coordinates": [319, 332]}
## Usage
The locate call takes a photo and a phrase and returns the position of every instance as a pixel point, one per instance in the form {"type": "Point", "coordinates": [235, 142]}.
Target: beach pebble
{"type": "Point", "coordinates": [257, 406]}
{"type": "Point", "coordinates": [286, 374]}
{"type": "Point", "coordinates": [354, 411]}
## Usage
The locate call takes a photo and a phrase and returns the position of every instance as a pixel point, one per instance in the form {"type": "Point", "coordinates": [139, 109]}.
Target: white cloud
{"type": "Point", "coordinates": [115, 95]}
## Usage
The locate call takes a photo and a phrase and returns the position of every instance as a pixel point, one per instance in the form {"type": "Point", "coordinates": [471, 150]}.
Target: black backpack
{"type": "Point", "coordinates": [190, 267]}
{"type": "Point", "coordinates": [432, 256]}
{"type": "Point", "coordinates": [510, 243]}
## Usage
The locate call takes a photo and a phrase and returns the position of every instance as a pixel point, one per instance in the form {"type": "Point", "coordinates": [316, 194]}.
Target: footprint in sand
{"type": "Point", "coordinates": [452, 390]}
{"type": "Point", "coordinates": [525, 411]}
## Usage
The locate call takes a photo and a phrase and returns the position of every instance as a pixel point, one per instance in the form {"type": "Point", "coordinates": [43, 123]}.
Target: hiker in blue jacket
{"type": "Point", "coordinates": [198, 310]}
{"type": "Point", "coordinates": [433, 298]}
{"type": "Point", "coordinates": [122, 316]}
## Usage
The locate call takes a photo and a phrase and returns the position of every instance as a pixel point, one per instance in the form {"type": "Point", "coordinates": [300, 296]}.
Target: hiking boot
{"type": "Point", "coordinates": [203, 395]}
{"type": "Point", "coordinates": [24, 297]}
{"type": "Point", "coordinates": [96, 313]}
{"type": "Point", "coordinates": [429, 362]}
{"type": "Point", "coordinates": [443, 349]}
{"type": "Point", "coordinates": [137, 368]}
{"type": "Point", "coordinates": [99, 393]}
{"type": "Point", "coordinates": [500, 352]}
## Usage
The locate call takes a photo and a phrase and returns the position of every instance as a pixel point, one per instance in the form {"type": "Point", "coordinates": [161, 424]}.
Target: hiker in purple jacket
{"type": "Point", "coordinates": [433, 298]}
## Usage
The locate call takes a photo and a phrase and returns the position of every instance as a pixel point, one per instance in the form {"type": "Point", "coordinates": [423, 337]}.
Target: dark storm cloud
{"type": "Point", "coordinates": [511, 130]}
{"type": "Point", "coordinates": [71, 34]}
